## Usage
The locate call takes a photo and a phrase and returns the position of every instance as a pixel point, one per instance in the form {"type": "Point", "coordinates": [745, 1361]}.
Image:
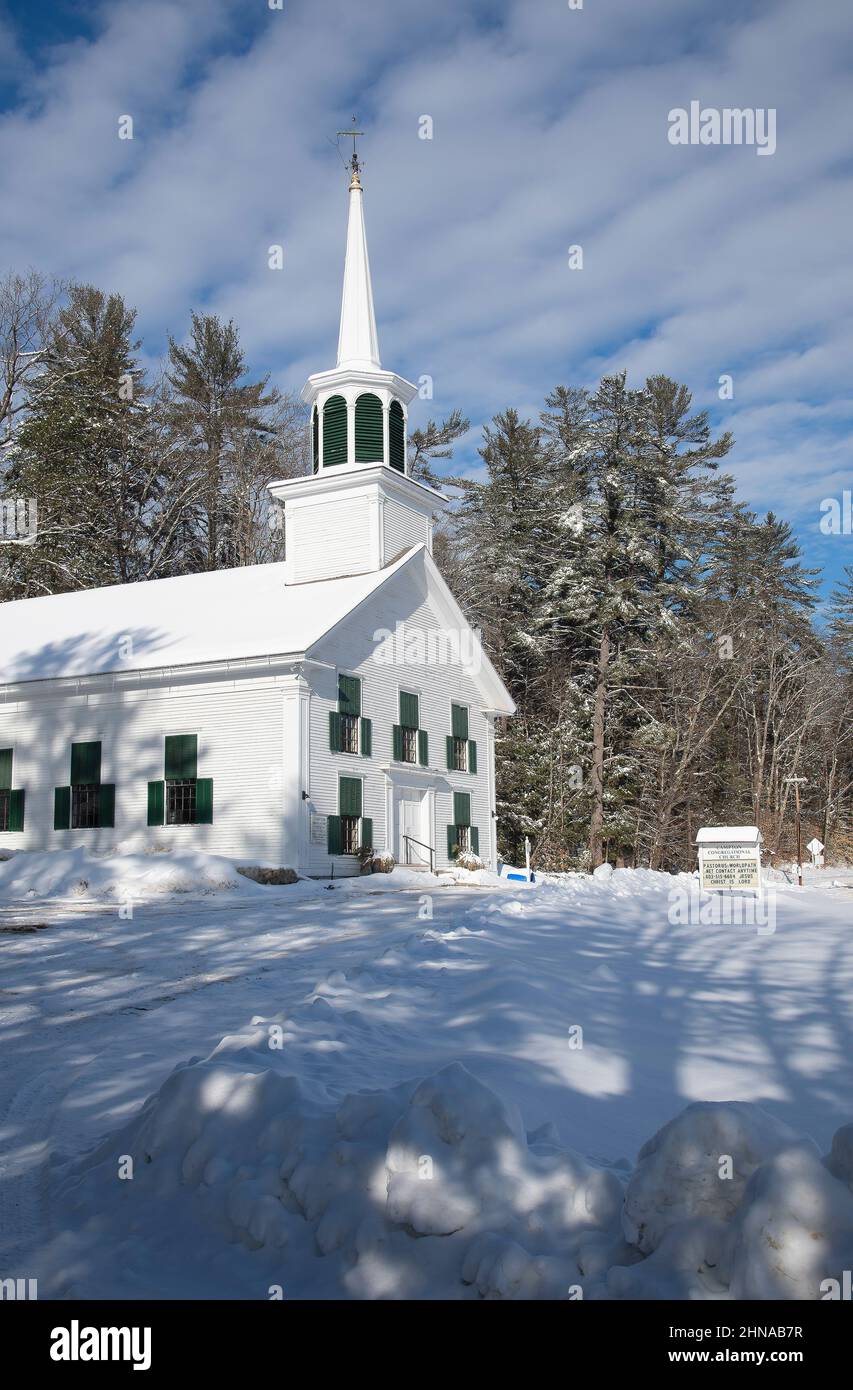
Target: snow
{"type": "Point", "coordinates": [219, 616]}
{"type": "Point", "coordinates": [728, 835]}
{"type": "Point", "coordinates": [372, 1089]}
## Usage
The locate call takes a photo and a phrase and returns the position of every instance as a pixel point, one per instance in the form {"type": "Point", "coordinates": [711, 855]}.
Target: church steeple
{"type": "Point", "coordinates": [359, 411]}
{"type": "Point", "coordinates": [359, 511]}
{"type": "Point", "coordinates": [358, 343]}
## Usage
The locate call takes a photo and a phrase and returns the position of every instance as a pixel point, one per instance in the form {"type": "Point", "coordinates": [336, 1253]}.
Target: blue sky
{"type": "Point", "coordinates": [549, 130]}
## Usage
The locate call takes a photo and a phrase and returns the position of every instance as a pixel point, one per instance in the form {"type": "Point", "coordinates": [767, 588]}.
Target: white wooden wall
{"type": "Point", "coordinates": [239, 745]}
{"type": "Point", "coordinates": [240, 725]}
{"type": "Point", "coordinates": [352, 650]}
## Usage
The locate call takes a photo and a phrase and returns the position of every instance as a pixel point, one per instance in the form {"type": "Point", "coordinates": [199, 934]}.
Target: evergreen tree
{"type": "Point", "coordinates": [224, 444]}
{"type": "Point", "coordinates": [83, 453]}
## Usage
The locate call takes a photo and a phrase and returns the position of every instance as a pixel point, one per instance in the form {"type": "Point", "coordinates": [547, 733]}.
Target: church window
{"type": "Point", "coordinates": [11, 801]}
{"type": "Point", "coordinates": [349, 731]}
{"type": "Point", "coordinates": [87, 803]}
{"type": "Point", "coordinates": [182, 797]}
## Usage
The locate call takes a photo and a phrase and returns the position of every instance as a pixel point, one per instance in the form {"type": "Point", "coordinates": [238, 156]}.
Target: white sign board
{"type": "Point", "coordinates": [729, 858]}
{"type": "Point", "coordinates": [318, 830]}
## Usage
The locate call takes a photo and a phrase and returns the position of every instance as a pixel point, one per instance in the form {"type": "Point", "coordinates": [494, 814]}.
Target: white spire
{"type": "Point", "coordinates": [358, 343]}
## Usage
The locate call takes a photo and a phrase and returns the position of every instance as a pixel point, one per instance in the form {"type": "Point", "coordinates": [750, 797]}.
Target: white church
{"type": "Point", "coordinates": [265, 713]}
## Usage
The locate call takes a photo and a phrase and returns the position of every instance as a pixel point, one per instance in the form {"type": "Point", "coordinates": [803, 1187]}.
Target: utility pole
{"type": "Point", "coordinates": [796, 783]}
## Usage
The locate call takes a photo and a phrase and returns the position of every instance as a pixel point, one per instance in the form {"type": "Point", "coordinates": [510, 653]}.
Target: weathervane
{"type": "Point", "coordinates": [355, 164]}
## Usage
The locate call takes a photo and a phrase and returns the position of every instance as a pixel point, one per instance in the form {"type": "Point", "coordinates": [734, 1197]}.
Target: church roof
{"type": "Point", "coordinates": [224, 615]}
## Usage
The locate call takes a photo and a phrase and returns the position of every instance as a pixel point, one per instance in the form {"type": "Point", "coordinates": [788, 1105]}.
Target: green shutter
{"type": "Point", "coordinates": [334, 431]}
{"type": "Point", "coordinates": [350, 796]}
{"type": "Point", "coordinates": [156, 802]}
{"type": "Point", "coordinates": [366, 743]}
{"type": "Point", "coordinates": [452, 839]}
{"type": "Point", "coordinates": [349, 695]}
{"type": "Point", "coordinates": [204, 801]}
{"type": "Point", "coordinates": [459, 721]}
{"type": "Point", "coordinates": [462, 808]}
{"type": "Point", "coordinates": [333, 834]}
{"type": "Point", "coordinates": [336, 742]}
{"type": "Point", "coordinates": [397, 437]}
{"type": "Point", "coordinates": [181, 757]}
{"type": "Point", "coordinates": [366, 832]}
{"type": "Point", "coordinates": [5, 769]}
{"type": "Point", "coordinates": [423, 747]}
{"type": "Point", "coordinates": [369, 432]}
{"type": "Point", "coordinates": [397, 743]}
{"type": "Point", "coordinates": [315, 439]}
{"type": "Point", "coordinates": [106, 805]}
{"type": "Point", "coordinates": [16, 809]}
{"type": "Point", "coordinates": [449, 750]}
{"type": "Point", "coordinates": [472, 756]}
{"type": "Point", "coordinates": [61, 808]}
{"type": "Point", "coordinates": [409, 717]}
{"type": "Point", "coordinates": [85, 764]}
{"type": "Point", "coordinates": [475, 839]}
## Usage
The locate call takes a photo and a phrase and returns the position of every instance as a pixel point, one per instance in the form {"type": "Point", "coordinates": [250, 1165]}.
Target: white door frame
{"type": "Point", "coordinates": [408, 795]}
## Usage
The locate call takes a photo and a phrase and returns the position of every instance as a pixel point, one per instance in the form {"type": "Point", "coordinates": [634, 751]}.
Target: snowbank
{"type": "Point", "coordinates": [433, 1189]}
{"type": "Point", "coordinates": [118, 874]}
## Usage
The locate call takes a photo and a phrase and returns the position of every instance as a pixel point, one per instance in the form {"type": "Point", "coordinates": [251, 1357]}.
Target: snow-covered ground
{"type": "Point", "coordinates": [405, 1087]}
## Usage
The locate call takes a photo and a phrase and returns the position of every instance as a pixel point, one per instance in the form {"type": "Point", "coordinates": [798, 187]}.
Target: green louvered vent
{"type": "Point", "coordinates": [397, 437]}
{"type": "Point", "coordinates": [368, 429]}
{"type": "Point", "coordinates": [334, 431]}
{"type": "Point", "coordinates": [315, 439]}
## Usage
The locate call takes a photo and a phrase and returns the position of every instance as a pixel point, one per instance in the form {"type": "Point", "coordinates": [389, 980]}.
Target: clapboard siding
{"type": "Point", "coordinates": [344, 525]}
{"type": "Point", "coordinates": [353, 650]}
{"type": "Point", "coordinates": [403, 529]}
{"type": "Point", "coordinates": [239, 727]}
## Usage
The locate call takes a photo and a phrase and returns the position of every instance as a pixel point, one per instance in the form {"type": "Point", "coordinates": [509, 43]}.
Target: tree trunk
{"type": "Point", "coordinates": [596, 823]}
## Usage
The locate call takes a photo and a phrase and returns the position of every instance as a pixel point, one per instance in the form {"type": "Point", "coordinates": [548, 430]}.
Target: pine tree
{"type": "Point", "coordinates": [224, 444]}
{"type": "Point", "coordinates": [841, 621]}
{"type": "Point", "coordinates": [82, 453]}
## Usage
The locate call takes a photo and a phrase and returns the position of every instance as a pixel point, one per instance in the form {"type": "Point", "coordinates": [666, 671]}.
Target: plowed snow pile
{"type": "Point", "coordinates": [232, 1178]}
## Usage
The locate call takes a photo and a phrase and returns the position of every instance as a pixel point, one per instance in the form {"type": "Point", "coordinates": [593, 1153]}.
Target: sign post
{"type": "Point", "coordinates": [796, 783]}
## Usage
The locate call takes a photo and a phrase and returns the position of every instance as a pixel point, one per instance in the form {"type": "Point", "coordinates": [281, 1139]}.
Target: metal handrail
{"type": "Point", "coordinates": [410, 840]}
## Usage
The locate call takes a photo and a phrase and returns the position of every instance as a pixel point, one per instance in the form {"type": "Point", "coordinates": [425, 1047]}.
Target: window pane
{"type": "Point", "coordinates": [349, 834]}
{"type": "Point", "coordinates": [181, 802]}
{"type": "Point", "coordinates": [349, 733]}
{"type": "Point", "coordinates": [460, 754]}
{"type": "Point", "coordinates": [410, 745]}
{"type": "Point", "coordinates": [85, 800]}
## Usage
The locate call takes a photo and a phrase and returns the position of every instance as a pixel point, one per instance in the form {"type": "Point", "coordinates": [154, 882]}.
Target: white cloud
{"type": "Point", "coordinates": [550, 128]}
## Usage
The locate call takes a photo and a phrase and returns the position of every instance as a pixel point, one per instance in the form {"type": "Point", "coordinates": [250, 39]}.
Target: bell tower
{"type": "Point", "coordinates": [358, 510]}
